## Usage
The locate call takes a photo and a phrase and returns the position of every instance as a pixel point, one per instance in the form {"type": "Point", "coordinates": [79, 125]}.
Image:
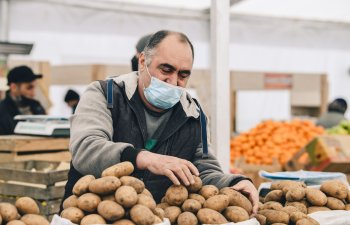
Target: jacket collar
{"type": "Point", "coordinates": [130, 82]}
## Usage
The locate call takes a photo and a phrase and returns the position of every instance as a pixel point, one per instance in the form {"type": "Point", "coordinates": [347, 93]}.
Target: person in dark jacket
{"type": "Point", "coordinates": [72, 99]}
{"type": "Point", "coordinates": [335, 113]}
{"type": "Point", "coordinates": [141, 44]}
{"type": "Point", "coordinates": [19, 98]}
{"type": "Point", "coordinates": [147, 118]}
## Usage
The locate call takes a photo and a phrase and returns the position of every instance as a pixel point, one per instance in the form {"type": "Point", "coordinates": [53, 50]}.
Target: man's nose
{"type": "Point", "coordinates": [172, 80]}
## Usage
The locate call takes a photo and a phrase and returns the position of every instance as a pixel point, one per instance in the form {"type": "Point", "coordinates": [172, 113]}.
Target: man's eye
{"type": "Point", "coordinates": [166, 70]}
{"type": "Point", "coordinates": [184, 75]}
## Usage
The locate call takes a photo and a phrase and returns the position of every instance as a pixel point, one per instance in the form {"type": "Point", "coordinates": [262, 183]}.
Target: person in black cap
{"type": "Point", "coordinates": [335, 113]}
{"type": "Point", "coordinates": [72, 99]}
{"type": "Point", "coordinates": [19, 98]}
{"type": "Point", "coordinates": [141, 44]}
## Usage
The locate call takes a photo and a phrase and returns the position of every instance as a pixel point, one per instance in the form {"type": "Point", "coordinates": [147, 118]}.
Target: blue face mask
{"type": "Point", "coordinates": [161, 94]}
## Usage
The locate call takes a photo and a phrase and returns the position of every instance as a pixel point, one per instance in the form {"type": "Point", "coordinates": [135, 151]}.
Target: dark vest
{"type": "Point", "coordinates": [181, 136]}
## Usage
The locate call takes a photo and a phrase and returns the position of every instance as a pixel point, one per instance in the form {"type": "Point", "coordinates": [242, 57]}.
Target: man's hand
{"type": "Point", "coordinates": [246, 187]}
{"type": "Point", "coordinates": [172, 167]}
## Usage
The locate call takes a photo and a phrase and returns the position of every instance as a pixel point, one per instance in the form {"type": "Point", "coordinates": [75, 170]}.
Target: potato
{"type": "Point", "coordinates": [157, 220]}
{"type": "Point", "coordinates": [217, 202]}
{"type": "Point", "coordinates": [280, 185]}
{"type": "Point", "coordinates": [187, 218]}
{"type": "Point", "coordinates": [121, 169]}
{"type": "Point", "coordinates": [210, 216]}
{"type": "Point", "coordinates": [347, 207]}
{"type": "Point", "coordinates": [196, 186]}
{"type": "Point", "coordinates": [71, 201]}
{"type": "Point", "coordinates": [313, 209]}
{"type": "Point", "coordinates": [191, 205]}
{"type": "Point", "coordinates": [104, 185]}
{"type": "Point", "coordinates": [348, 197]}
{"type": "Point", "coordinates": [272, 205]}
{"type": "Point", "coordinates": [146, 201]}
{"type": "Point", "coordinates": [235, 214]}
{"type": "Point", "coordinates": [208, 191]}
{"type": "Point", "coordinates": [159, 212]}
{"type": "Point", "coordinates": [33, 219]}
{"type": "Point", "coordinates": [335, 204]}
{"type": "Point", "coordinates": [110, 197]}
{"type": "Point", "coordinates": [316, 197]}
{"type": "Point", "coordinates": [137, 184]}
{"type": "Point", "coordinates": [75, 215]}
{"type": "Point", "coordinates": [16, 222]}
{"type": "Point", "coordinates": [109, 171]}
{"type": "Point", "coordinates": [289, 209]}
{"type": "Point", "coordinates": [141, 215]}
{"type": "Point", "coordinates": [307, 221]}
{"type": "Point", "coordinates": [275, 196]}
{"type": "Point", "coordinates": [163, 200]}
{"type": "Point", "coordinates": [92, 219]}
{"type": "Point", "coordinates": [126, 196]}
{"type": "Point", "coordinates": [8, 211]}
{"type": "Point", "coordinates": [279, 224]}
{"type": "Point", "coordinates": [335, 188]}
{"type": "Point", "coordinates": [261, 219]}
{"type": "Point", "coordinates": [295, 216]}
{"type": "Point", "coordinates": [300, 206]}
{"type": "Point", "coordinates": [163, 205]}
{"type": "Point", "coordinates": [88, 202]}
{"type": "Point", "coordinates": [147, 192]}
{"type": "Point", "coordinates": [172, 213]}
{"type": "Point", "coordinates": [237, 199]}
{"type": "Point", "coordinates": [197, 197]}
{"type": "Point", "coordinates": [295, 194]}
{"type": "Point", "coordinates": [110, 210]}
{"type": "Point", "coordinates": [82, 185]}
{"type": "Point", "coordinates": [124, 222]}
{"type": "Point", "coordinates": [176, 195]}
{"type": "Point", "coordinates": [274, 216]}
{"type": "Point", "coordinates": [26, 205]}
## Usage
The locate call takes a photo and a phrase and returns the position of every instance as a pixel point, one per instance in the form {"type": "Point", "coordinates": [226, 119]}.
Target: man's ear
{"type": "Point", "coordinates": [142, 61]}
{"type": "Point", "coordinates": [13, 88]}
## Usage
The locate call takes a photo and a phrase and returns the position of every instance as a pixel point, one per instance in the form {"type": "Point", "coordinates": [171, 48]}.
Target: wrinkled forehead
{"type": "Point", "coordinates": [174, 51]}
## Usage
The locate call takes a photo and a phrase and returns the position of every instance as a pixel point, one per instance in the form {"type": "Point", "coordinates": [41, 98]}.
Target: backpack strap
{"type": "Point", "coordinates": [204, 135]}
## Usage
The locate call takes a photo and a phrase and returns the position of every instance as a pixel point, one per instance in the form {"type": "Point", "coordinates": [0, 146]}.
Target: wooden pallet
{"type": "Point", "coordinates": [22, 143]}
{"type": "Point", "coordinates": [252, 171]}
{"type": "Point", "coordinates": [52, 156]}
{"type": "Point", "coordinates": [42, 181]}
{"type": "Point", "coordinates": [14, 148]}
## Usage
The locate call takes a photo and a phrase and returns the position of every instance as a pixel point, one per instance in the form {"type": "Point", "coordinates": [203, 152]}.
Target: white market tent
{"type": "Point", "coordinates": [307, 36]}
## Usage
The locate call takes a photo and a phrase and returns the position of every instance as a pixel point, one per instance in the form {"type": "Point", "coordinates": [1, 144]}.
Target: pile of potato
{"type": "Point", "coordinates": [204, 204]}
{"type": "Point", "coordinates": [289, 202]}
{"type": "Point", "coordinates": [115, 198]}
{"type": "Point", "coordinates": [24, 212]}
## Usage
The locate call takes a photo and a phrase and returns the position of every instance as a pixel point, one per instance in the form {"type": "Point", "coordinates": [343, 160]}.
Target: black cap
{"type": "Point", "coordinates": [71, 95]}
{"type": "Point", "coordinates": [22, 74]}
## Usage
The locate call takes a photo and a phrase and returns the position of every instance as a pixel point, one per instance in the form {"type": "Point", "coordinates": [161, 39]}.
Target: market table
{"type": "Point", "coordinates": [22, 148]}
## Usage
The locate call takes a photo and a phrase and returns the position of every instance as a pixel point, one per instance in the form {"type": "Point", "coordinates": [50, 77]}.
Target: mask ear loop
{"type": "Point", "coordinates": [143, 83]}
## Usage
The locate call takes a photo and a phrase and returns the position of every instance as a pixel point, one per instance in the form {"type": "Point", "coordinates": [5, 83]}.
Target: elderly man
{"type": "Point", "coordinates": [149, 120]}
{"type": "Point", "coordinates": [19, 98]}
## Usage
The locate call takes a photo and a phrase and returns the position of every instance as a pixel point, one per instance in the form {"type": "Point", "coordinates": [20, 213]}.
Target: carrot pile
{"type": "Point", "coordinates": [273, 139]}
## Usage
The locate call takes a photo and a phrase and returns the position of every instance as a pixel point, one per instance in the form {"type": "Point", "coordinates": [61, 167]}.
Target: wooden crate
{"type": "Point", "coordinates": [252, 171]}
{"type": "Point", "coordinates": [22, 148]}
{"type": "Point", "coordinates": [40, 180]}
